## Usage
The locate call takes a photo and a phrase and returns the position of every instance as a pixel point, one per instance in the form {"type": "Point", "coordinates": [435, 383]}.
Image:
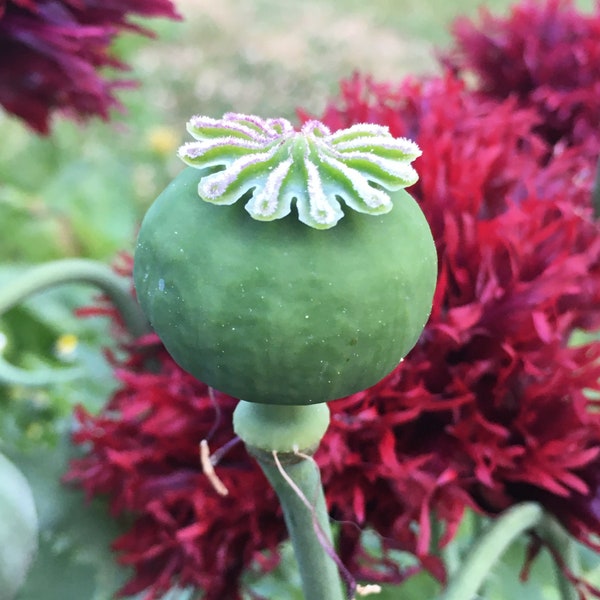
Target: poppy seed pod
{"type": "Point", "coordinates": [276, 310]}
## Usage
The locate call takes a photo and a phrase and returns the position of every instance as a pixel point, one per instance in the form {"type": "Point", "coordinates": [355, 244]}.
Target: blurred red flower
{"type": "Point", "coordinates": [143, 452]}
{"type": "Point", "coordinates": [53, 53]}
{"type": "Point", "coordinates": [546, 54]}
{"type": "Point", "coordinates": [490, 408]}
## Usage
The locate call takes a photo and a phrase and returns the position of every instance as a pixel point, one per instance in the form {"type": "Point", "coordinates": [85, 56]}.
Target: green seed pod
{"type": "Point", "coordinates": [268, 309]}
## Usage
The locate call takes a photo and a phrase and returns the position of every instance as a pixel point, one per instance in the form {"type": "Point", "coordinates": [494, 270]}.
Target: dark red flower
{"type": "Point", "coordinates": [143, 452]}
{"type": "Point", "coordinates": [53, 53]}
{"type": "Point", "coordinates": [547, 54]}
{"type": "Point", "coordinates": [490, 408]}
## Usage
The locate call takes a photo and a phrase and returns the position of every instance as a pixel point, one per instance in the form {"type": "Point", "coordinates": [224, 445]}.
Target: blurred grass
{"type": "Point", "coordinates": [82, 191]}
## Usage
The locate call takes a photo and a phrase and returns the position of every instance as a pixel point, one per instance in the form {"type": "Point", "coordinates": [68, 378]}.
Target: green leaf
{"type": "Point", "coordinates": [503, 581]}
{"type": "Point", "coordinates": [96, 200]}
{"type": "Point", "coordinates": [282, 582]}
{"type": "Point", "coordinates": [18, 528]}
{"type": "Point", "coordinates": [31, 335]}
{"type": "Point", "coordinates": [38, 231]}
{"type": "Point", "coordinates": [75, 560]}
{"type": "Point", "coordinates": [57, 576]}
{"type": "Point", "coordinates": [418, 587]}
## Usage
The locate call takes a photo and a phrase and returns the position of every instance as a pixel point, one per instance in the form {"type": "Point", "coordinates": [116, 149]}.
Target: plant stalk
{"type": "Point", "coordinates": [318, 571]}
{"type": "Point", "coordinates": [42, 277]}
{"type": "Point", "coordinates": [488, 549]}
{"type": "Point", "coordinates": [561, 541]}
{"type": "Point", "coordinates": [77, 270]}
{"type": "Point", "coordinates": [283, 438]}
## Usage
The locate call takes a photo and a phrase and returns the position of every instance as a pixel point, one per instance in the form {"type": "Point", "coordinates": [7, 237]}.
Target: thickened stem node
{"type": "Point", "coordinates": [279, 437]}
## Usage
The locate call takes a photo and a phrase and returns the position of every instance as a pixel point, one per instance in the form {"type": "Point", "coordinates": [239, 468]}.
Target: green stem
{"type": "Point", "coordinates": [77, 270]}
{"type": "Point", "coordinates": [561, 541]}
{"type": "Point", "coordinates": [284, 428]}
{"type": "Point", "coordinates": [489, 547]}
{"type": "Point", "coordinates": [59, 272]}
{"type": "Point", "coordinates": [450, 552]}
{"type": "Point", "coordinates": [318, 571]}
{"type": "Point", "coordinates": [280, 437]}
{"type": "Point", "coordinates": [40, 377]}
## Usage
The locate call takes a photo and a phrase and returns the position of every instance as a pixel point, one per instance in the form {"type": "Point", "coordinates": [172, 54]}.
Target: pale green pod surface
{"type": "Point", "coordinates": [277, 312]}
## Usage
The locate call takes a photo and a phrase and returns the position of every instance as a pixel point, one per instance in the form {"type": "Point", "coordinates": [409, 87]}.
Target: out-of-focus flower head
{"type": "Point", "coordinates": [547, 54]}
{"type": "Point", "coordinates": [143, 453]}
{"type": "Point", "coordinates": [54, 53]}
{"type": "Point", "coordinates": [490, 408]}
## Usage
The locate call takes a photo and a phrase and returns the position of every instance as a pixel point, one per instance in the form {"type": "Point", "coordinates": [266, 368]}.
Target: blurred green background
{"type": "Point", "coordinates": [82, 191]}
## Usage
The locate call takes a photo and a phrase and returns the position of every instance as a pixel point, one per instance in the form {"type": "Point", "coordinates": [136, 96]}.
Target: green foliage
{"type": "Point", "coordinates": [69, 197]}
{"type": "Point", "coordinates": [18, 528]}
{"type": "Point", "coordinates": [34, 424]}
{"type": "Point", "coordinates": [75, 536]}
{"type": "Point", "coordinates": [31, 334]}
{"type": "Point", "coordinates": [282, 582]}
